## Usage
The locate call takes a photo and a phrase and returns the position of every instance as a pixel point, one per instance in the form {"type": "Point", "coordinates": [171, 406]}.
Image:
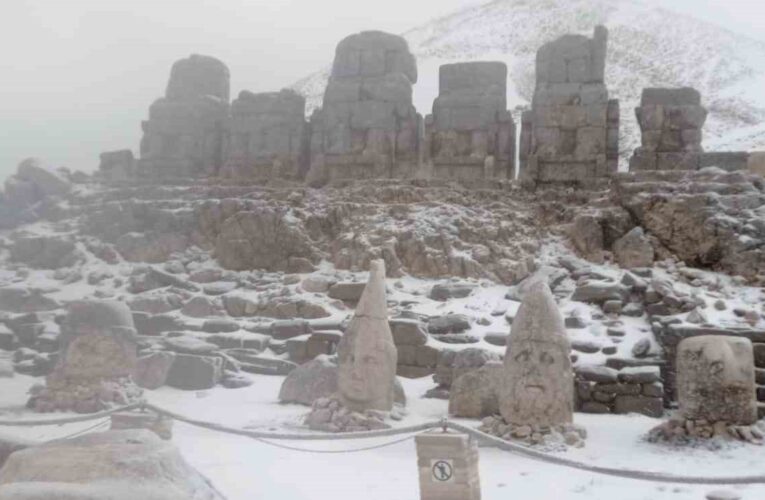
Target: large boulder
{"type": "Point", "coordinates": [114, 465]}
{"type": "Point", "coordinates": [261, 239]}
{"type": "Point", "coordinates": [318, 379]}
{"type": "Point", "coordinates": [634, 249]}
{"type": "Point", "coordinates": [45, 252]}
{"type": "Point", "coordinates": [310, 381]}
{"type": "Point", "coordinates": [46, 181]}
{"type": "Point", "coordinates": [23, 300]}
{"type": "Point", "coordinates": [190, 372]}
{"type": "Point", "coordinates": [474, 394]}
{"type": "Point", "coordinates": [151, 370]}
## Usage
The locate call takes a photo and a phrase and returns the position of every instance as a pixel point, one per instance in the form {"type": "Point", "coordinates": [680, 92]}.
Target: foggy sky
{"type": "Point", "coordinates": [78, 75]}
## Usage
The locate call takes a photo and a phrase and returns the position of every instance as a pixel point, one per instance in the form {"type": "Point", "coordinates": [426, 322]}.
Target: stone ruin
{"type": "Point", "coordinates": [185, 133]}
{"type": "Point", "coordinates": [715, 392]}
{"type": "Point", "coordinates": [366, 376]}
{"type": "Point", "coordinates": [368, 127]}
{"type": "Point", "coordinates": [117, 167]}
{"type": "Point", "coordinates": [268, 136]}
{"type": "Point", "coordinates": [471, 134]}
{"type": "Point", "coordinates": [571, 133]}
{"type": "Point", "coordinates": [98, 356]}
{"type": "Point", "coordinates": [671, 122]}
{"type": "Point", "coordinates": [536, 396]}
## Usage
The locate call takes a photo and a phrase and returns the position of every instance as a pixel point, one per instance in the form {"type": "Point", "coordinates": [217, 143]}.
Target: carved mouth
{"type": "Point", "coordinates": [535, 388]}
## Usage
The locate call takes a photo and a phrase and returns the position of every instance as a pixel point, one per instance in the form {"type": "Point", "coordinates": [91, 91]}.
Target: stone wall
{"type": "Point", "coordinates": [268, 136]}
{"type": "Point", "coordinates": [571, 133]}
{"type": "Point", "coordinates": [470, 134]}
{"type": "Point", "coordinates": [184, 135]}
{"type": "Point", "coordinates": [629, 389]}
{"type": "Point", "coordinates": [368, 127]}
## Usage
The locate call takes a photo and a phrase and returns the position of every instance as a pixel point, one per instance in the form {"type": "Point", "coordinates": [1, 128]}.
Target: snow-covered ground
{"type": "Point", "coordinates": [244, 469]}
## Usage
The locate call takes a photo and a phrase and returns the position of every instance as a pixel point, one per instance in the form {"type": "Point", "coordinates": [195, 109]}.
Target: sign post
{"type": "Point", "coordinates": [448, 465]}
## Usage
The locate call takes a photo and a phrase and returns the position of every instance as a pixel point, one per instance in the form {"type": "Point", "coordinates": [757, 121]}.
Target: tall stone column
{"type": "Point", "coordinates": [471, 134]}
{"type": "Point", "coordinates": [572, 132]}
{"type": "Point", "coordinates": [185, 133]}
{"type": "Point", "coordinates": [367, 127]}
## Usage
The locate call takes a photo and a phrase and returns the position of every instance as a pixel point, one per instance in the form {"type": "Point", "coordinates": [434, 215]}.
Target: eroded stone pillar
{"type": "Point", "coordinates": [671, 122]}
{"type": "Point", "coordinates": [571, 133]}
{"type": "Point", "coordinates": [267, 136]}
{"type": "Point", "coordinates": [471, 134]}
{"type": "Point", "coordinates": [367, 127]}
{"type": "Point", "coordinates": [184, 135]}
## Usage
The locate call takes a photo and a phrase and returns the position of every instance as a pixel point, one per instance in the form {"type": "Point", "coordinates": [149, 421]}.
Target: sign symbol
{"type": "Point", "coordinates": [442, 470]}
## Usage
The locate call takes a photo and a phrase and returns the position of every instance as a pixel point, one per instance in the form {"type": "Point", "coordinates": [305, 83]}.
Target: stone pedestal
{"type": "Point", "coordinates": [159, 425]}
{"type": "Point", "coordinates": [448, 465]}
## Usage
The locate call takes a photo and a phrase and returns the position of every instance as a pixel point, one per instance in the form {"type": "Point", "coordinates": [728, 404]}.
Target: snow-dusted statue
{"type": "Point", "coordinates": [366, 354]}
{"type": "Point", "coordinates": [538, 383]}
{"type": "Point", "coordinates": [715, 391]}
{"type": "Point", "coordinates": [536, 392]}
{"type": "Point", "coordinates": [366, 358]}
{"type": "Point", "coordinates": [715, 379]}
{"type": "Point", "coordinates": [98, 356]}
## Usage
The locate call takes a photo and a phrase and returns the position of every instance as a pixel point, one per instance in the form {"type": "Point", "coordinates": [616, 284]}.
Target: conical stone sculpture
{"type": "Point", "coordinates": [536, 395]}
{"type": "Point", "coordinates": [367, 355]}
{"type": "Point", "coordinates": [366, 360]}
{"type": "Point", "coordinates": [538, 383]}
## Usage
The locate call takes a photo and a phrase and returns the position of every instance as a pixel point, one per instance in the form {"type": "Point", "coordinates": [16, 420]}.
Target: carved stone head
{"type": "Point", "coordinates": [716, 380]}
{"type": "Point", "coordinates": [538, 379]}
{"type": "Point", "coordinates": [99, 340]}
{"type": "Point", "coordinates": [366, 354]}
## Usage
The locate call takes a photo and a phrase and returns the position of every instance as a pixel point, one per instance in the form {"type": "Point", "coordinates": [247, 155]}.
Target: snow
{"type": "Point", "coordinates": [243, 469]}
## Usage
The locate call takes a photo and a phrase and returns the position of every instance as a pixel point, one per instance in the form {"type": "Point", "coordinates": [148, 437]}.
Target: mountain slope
{"type": "Point", "coordinates": [648, 46]}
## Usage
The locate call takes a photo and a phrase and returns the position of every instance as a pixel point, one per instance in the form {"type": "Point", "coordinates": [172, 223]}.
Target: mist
{"type": "Point", "coordinates": [79, 75]}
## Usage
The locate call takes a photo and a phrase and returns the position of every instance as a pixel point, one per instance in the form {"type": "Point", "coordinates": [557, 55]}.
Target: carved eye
{"type": "Point", "coordinates": [523, 355]}
{"type": "Point", "coordinates": [546, 358]}
{"type": "Point", "coordinates": [370, 360]}
{"type": "Point", "coordinates": [716, 367]}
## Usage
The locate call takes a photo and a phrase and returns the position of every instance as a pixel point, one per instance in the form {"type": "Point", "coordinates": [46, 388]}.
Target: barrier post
{"type": "Point", "coordinates": [448, 466]}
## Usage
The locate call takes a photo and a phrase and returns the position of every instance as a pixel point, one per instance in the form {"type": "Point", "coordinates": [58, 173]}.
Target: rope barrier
{"type": "Point", "coordinates": [86, 430]}
{"type": "Point", "coordinates": [352, 450]}
{"type": "Point", "coordinates": [524, 451]}
{"type": "Point", "coordinates": [296, 437]}
{"type": "Point", "coordinates": [68, 420]}
{"type": "Point", "coordinates": [623, 473]}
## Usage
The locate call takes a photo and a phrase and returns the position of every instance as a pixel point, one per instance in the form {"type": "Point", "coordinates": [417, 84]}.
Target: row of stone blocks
{"type": "Point", "coordinates": [368, 126]}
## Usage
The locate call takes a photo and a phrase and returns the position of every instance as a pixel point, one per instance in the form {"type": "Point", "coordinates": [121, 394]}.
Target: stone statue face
{"type": "Point", "coordinates": [366, 374]}
{"type": "Point", "coordinates": [98, 340]}
{"type": "Point", "coordinates": [715, 379]}
{"type": "Point", "coordinates": [97, 356]}
{"type": "Point", "coordinates": [538, 383]}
